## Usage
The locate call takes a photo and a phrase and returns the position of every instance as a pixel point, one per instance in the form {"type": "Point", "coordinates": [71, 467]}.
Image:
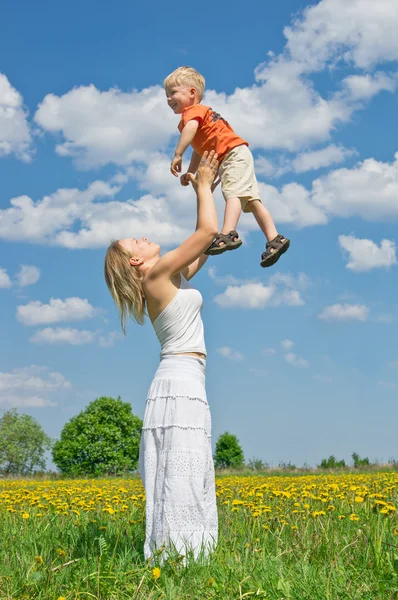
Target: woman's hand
{"type": "Point", "coordinates": [206, 172]}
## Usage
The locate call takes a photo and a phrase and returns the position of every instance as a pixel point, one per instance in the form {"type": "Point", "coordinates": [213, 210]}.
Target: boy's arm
{"type": "Point", "coordinates": [193, 167]}
{"type": "Point", "coordinates": [186, 137]}
{"type": "Point", "coordinates": [195, 162]}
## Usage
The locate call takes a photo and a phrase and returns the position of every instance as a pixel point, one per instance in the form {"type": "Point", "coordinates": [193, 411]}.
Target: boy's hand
{"type": "Point", "coordinates": [176, 164]}
{"type": "Point", "coordinates": [184, 179]}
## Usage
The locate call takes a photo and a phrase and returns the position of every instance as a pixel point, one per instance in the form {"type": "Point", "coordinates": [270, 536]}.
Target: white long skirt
{"type": "Point", "coordinates": [176, 462]}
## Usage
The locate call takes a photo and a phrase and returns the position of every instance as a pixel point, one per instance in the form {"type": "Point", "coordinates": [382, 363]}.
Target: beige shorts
{"type": "Point", "coordinates": [238, 179]}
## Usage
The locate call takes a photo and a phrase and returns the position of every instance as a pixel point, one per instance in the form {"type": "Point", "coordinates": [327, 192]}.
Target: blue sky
{"type": "Point", "coordinates": [302, 357]}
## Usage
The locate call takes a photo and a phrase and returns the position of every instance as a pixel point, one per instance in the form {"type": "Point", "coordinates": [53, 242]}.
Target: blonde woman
{"type": "Point", "coordinates": [176, 462]}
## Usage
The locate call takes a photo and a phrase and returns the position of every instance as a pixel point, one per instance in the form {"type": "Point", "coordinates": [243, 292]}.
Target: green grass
{"type": "Point", "coordinates": [98, 555]}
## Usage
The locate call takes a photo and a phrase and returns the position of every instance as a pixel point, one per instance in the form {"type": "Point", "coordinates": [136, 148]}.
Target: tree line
{"type": "Point", "coordinates": [103, 439]}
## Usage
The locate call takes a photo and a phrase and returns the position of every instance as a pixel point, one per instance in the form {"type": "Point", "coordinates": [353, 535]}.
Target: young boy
{"type": "Point", "coordinates": [205, 129]}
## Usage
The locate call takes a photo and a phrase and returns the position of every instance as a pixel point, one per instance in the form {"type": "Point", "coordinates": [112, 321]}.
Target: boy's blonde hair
{"type": "Point", "coordinates": [187, 75]}
{"type": "Point", "coordinates": [124, 282]}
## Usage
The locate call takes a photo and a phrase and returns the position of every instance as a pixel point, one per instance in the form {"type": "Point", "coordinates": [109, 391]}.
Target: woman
{"type": "Point", "coordinates": [176, 462]}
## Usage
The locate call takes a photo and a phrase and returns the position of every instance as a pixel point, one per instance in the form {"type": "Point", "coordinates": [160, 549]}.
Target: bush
{"type": "Point", "coordinates": [360, 462]}
{"type": "Point", "coordinates": [256, 464]}
{"type": "Point", "coordinates": [332, 463]}
{"type": "Point", "coordinates": [287, 466]}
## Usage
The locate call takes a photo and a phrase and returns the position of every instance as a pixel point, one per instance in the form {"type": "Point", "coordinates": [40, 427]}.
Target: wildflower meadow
{"type": "Point", "coordinates": [301, 537]}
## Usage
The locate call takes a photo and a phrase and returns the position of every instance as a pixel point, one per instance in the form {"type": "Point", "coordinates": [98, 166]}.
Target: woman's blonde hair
{"type": "Point", "coordinates": [186, 75]}
{"type": "Point", "coordinates": [124, 282]}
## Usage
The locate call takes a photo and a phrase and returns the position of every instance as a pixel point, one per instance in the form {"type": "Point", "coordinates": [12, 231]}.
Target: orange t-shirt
{"type": "Point", "coordinates": [214, 133]}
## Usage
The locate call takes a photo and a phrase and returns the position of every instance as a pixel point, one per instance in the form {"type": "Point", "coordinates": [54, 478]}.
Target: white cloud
{"type": "Point", "coordinates": [50, 220]}
{"type": "Point", "coordinates": [295, 360]}
{"type": "Point", "coordinates": [317, 159]}
{"type": "Point", "coordinates": [303, 162]}
{"type": "Point", "coordinates": [360, 32]}
{"type": "Point", "coordinates": [365, 255]}
{"type": "Point", "coordinates": [5, 281]}
{"type": "Point", "coordinates": [14, 129]}
{"type": "Point", "coordinates": [40, 221]}
{"type": "Point", "coordinates": [366, 86]}
{"type": "Point", "coordinates": [230, 353]}
{"type": "Point", "coordinates": [283, 289]}
{"type": "Point", "coordinates": [250, 295]}
{"type": "Point", "coordinates": [12, 401]}
{"type": "Point", "coordinates": [112, 126]}
{"type": "Point", "coordinates": [28, 275]}
{"type": "Point", "coordinates": [264, 166]}
{"type": "Point", "coordinates": [30, 386]}
{"type": "Point", "coordinates": [369, 190]}
{"type": "Point", "coordinates": [70, 309]}
{"type": "Point", "coordinates": [287, 345]}
{"type": "Point", "coordinates": [292, 204]}
{"type": "Point", "coordinates": [60, 335]}
{"type": "Point", "coordinates": [344, 312]}
{"type": "Point", "coordinates": [33, 378]}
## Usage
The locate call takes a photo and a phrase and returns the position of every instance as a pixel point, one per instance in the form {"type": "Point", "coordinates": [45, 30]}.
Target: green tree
{"type": "Point", "coordinates": [101, 440]}
{"type": "Point", "coordinates": [228, 452]}
{"type": "Point", "coordinates": [23, 444]}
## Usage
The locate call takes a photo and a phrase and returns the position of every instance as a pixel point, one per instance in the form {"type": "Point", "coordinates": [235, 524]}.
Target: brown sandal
{"type": "Point", "coordinates": [279, 245]}
{"type": "Point", "coordinates": [224, 242]}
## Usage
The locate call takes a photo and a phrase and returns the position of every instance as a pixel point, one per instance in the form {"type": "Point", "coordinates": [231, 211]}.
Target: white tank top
{"type": "Point", "coordinates": [179, 327]}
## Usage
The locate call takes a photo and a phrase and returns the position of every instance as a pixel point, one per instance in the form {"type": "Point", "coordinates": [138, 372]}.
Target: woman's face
{"type": "Point", "coordinates": [141, 248]}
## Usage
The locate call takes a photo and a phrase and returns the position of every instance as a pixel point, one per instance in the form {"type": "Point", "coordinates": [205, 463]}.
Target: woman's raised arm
{"type": "Point", "coordinates": [207, 226]}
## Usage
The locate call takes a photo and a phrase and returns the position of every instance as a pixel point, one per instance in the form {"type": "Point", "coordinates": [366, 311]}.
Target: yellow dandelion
{"type": "Point", "coordinates": [61, 552]}
{"type": "Point", "coordinates": [109, 510]}
{"type": "Point", "coordinates": [211, 582]}
{"type": "Point", "coordinates": [354, 517]}
{"type": "Point", "coordinates": [25, 515]}
{"type": "Point", "coordinates": [359, 499]}
{"type": "Point", "coordinates": [341, 517]}
{"type": "Point", "coordinates": [156, 573]}
{"type": "Point", "coordinates": [39, 560]}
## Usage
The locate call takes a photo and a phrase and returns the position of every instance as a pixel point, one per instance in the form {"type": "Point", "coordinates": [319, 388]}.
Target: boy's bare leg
{"type": "Point", "coordinates": [232, 214]}
{"type": "Point", "coordinates": [263, 218]}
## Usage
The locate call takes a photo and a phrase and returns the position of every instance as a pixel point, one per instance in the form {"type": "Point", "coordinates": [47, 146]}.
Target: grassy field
{"type": "Point", "coordinates": [308, 537]}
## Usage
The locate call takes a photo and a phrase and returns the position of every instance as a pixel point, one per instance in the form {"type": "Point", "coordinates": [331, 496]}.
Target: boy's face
{"type": "Point", "coordinates": [180, 96]}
